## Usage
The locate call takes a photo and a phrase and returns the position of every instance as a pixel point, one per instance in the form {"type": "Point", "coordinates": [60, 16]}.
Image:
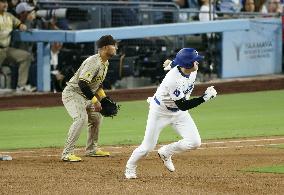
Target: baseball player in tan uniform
{"type": "Point", "coordinates": [8, 22]}
{"type": "Point", "coordinates": [81, 98]}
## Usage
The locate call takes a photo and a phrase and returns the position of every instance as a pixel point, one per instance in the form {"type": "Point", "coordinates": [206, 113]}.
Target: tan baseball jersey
{"type": "Point", "coordinates": [93, 71]}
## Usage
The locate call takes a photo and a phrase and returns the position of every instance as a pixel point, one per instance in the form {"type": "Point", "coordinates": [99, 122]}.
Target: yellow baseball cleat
{"type": "Point", "coordinates": [71, 158]}
{"type": "Point", "coordinates": [98, 153]}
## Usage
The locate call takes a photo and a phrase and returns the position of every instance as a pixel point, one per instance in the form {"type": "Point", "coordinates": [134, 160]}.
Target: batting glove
{"type": "Point", "coordinates": [209, 93]}
{"type": "Point", "coordinates": [167, 65]}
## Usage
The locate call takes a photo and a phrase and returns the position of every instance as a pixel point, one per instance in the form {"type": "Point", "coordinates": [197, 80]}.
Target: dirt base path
{"type": "Point", "coordinates": [215, 168]}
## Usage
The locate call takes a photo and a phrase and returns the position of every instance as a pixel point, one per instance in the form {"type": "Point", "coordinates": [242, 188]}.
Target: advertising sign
{"type": "Point", "coordinates": [257, 51]}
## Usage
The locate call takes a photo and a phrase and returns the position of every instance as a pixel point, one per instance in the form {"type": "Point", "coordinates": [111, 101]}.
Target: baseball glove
{"type": "Point", "coordinates": [109, 107]}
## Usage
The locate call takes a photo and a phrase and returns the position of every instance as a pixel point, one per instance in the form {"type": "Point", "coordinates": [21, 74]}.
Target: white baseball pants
{"type": "Point", "coordinates": [158, 118]}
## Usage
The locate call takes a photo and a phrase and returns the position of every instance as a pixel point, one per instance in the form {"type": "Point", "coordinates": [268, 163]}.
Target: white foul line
{"type": "Point", "coordinates": [243, 141]}
{"type": "Point", "coordinates": [207, 143]}
{"type": "Point", "coordinates": [207, 148]}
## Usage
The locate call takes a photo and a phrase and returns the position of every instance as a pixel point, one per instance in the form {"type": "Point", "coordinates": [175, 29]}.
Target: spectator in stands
{"type": "Point", "coordinates": [62, 66]}
{"type": "Point", "coordinates": [230, 5]}
{"type": "Point", "coordinates": [204, 14]}
{"type": "Point", "coordinates": [248, 6]}
{"type": "Point", "coordinates": [274, 6]}
{"type": "Point", "coordinates": [56, 74]}
{"type": "Point", "coordinates": [260, 6]}
{"type": "Point", "coordinates": [8, 22]}
{"type": "Point", "coordinates": [26, 14]}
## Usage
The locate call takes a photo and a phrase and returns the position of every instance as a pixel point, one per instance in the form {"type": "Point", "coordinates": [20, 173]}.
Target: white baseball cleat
{"type": "Point", "coordinates": [167, 160]}
{"type": "Point", "coordinates": [130, 172]}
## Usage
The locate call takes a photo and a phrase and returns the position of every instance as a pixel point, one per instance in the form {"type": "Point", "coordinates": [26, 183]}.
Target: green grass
{"type": "Point", "coordinates": [281, 146]}
{"type": "Point", "coordinates": [227, 116]}
{"type": "Point", "coordinates": [272, 169]}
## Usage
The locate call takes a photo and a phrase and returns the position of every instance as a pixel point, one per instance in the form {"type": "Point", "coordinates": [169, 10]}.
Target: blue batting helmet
{"type": "Point", "coordinates": [186, 56]}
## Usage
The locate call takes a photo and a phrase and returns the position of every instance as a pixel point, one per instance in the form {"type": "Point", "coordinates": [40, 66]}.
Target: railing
{"type": "Point", "coordinates": [104, 14]}
{"type": "Point", "coordinates": [187, 15]}
{"type": "Point", "coordinates": [43, 37]}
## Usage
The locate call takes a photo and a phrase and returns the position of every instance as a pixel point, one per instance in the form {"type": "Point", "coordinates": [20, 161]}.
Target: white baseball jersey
{"type": "Point", "coordinates": [175, 86]}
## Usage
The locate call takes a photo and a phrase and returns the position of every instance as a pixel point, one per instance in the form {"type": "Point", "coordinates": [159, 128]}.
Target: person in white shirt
{"type": "Point", "coordinates": [169, 106]}
{"type": "Point", "coordinates": [274, 6]}
{"type": "Point", "coordinates": [206, 13]}
{"type": "Point", "coordinates": [57, 76]}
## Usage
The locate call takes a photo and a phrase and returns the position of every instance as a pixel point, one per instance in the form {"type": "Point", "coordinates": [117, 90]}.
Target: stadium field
{"type": "Point", "coordinates": [239, 154]}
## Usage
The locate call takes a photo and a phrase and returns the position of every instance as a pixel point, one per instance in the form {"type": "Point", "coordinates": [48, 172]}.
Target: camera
{"type": "Point", "coordinates": [73, 14]}
{"type": "Point", "coordinates": [49, 14]}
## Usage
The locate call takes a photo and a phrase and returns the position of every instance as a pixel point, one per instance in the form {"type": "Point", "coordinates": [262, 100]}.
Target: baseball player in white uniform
{"type": "Point", "coordinates": [169, 106]}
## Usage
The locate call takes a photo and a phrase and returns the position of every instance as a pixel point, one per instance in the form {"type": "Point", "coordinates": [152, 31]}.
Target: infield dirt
{"type": "Point", "coordinates": [215, 168]}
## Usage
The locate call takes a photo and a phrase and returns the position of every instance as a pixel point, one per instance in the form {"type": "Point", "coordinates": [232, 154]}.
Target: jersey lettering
{"type": "Point", "coordinates": [176, 93]}
{"type": "Point", "coordinates": [98, 78]}
{"type": "Point", "coordinates": [87, 75]}
{"type": "Point", "coordinates": [190, 87]}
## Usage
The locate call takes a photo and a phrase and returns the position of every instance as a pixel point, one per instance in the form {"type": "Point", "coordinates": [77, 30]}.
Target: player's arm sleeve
{"type": "Point", "coordinates": [86, 90]}
{"type": "Point", "coordinates": [184, 104]}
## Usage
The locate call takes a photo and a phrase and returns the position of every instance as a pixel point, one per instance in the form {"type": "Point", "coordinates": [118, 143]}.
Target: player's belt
{"type": "Point", "coordinates": [172, 109]}
{"type": "Point", "coordinates": [169, 108]}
